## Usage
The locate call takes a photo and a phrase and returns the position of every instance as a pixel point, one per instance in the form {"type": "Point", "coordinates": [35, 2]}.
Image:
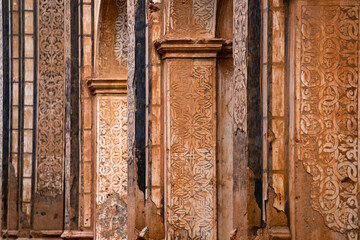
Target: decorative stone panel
{"type": "Point", "coordinates": [191, 166]}
{"type": "Point", "coordinates": [51, 99]}
{"type": "Point", "coordinates": [190, 130]}
{"type": "Point", "coordinates": [190, 18]}
{"type": "Point", "coordinates": [111, 168]}
{"type": "Point", "coordinates": [327, 110]}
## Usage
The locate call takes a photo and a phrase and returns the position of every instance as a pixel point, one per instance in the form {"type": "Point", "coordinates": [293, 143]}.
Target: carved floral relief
{"type": "Point", "coordinates": [51, 99]}
{"type": "Point", "coordinates": [192, 17]}
{"type": "Point", "coordinates": [191, 198]}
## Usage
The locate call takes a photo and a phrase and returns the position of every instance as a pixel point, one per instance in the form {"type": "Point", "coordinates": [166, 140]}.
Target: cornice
{"type": "Point", "coordinates": [107, 85]}
{"type": "Point", "coordinates": [189, 48]}
{"type": "Point", "coordinates": [226, 50]}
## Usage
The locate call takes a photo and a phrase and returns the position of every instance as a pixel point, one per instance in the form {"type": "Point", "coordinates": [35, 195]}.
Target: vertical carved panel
{"type": "Point", "coordinates": [111, 169]}
{"type": "Point", "coordinates": [51, 99]}
{"type": "Point", "coordinates": [327, 121]}
{"type": "Point", "coordinates": [240, 63]}
{"type": "Point", "coordinates": [130, 81]}
{"type": "Point", "coordinates": [191, 186]}
{"type": "Point", "coordinates": [191, 17]}
{"type": "Point", "coordinates": [122, 36]}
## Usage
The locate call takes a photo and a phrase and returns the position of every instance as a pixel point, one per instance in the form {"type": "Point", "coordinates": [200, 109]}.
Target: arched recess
{"type": "Point", "coordinates": [111, 38]}
{"type": "Point", "coordinates": [108, 86]}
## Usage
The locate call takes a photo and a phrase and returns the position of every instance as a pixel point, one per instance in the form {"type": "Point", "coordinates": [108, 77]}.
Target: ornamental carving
{"type": "Point", "coordinates": [328, 119]}
{"type": "Point", "coordinates": [122, 36]}
{"type": "Point", "coordinates": [130, 80]}
{"type": "Point", "coordinates": [191, 17]}
{"type": "Point", "coordinates": [240, 64]}
{"type": "Point", "coordinates": [191, 187]}
{"type": "Point", "coordinates": [111, 169]}
{"type": "Point", "coordinates": [51, 99]}
{"type": "Point", "coordinates": [113, 40]}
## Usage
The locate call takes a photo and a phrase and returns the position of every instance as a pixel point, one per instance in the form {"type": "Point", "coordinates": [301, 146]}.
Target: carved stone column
{"type": "Point", "coordinates": [189, 49]}
{"type": "Point", "coordinates": [189, 75]}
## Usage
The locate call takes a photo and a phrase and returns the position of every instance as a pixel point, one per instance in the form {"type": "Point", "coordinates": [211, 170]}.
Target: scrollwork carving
{"type": "Point", "coordinates": [189, 17]}
{"type": "Point", "coordinates": [240, 64]}
{"type": "Point", "coordinates": [122, 36]}
{"type": "Point", "coordinates": [130, 81]}
{"type": "Point", "coordinates": [112, 174]}
{"type": "Point", "coordinates": [328, 118]}
{"type": "Point", "coordinates": [51, 99]}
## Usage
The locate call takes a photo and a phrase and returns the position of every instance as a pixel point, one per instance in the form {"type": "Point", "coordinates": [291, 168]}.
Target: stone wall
{"type": "Point", "coordinates": [192, 119]}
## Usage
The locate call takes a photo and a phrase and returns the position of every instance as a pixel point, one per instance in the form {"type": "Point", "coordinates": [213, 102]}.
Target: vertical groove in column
{"type": "Point", "coordinates": [2, 132]}
{"type": "Point", "coordinates": [136, 128]}
{"type": "Point", "coordinates": [5, 146]}
{"type": "Point", "coordinates": [34, 119]}
{"type": "Point", "coordinates": [13, 162]}
{"type": "Point", "coordinates": [68, 91]}
{"type": "Point", "coordinates": [264, 98]}
{"type": "Point", "coordinates": [21, 111]}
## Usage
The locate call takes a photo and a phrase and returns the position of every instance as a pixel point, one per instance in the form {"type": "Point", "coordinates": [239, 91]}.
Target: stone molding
{"type": "Point", "coordinates": [189, 48]}
{"type": "Point", "coordinates": [280, 233]}
{"type": "Point", "coordinates": [226, 51]}
{"type": "Point", "coordinates": [107, 85]}
{"type": "Point", "coordinates": [46, 234]}
{"type": "Point", "coordinates": [77, 235]}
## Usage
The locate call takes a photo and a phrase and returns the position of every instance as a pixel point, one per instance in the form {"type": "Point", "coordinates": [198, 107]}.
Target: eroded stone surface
{"type": "Point", "coordinates": [111, 170]}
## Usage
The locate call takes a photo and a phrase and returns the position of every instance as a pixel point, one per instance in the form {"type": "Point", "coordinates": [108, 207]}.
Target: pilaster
{"type": "Point", "coordinates": [111, 169]}
{"type": "Point", "coordinates": [189, 75]}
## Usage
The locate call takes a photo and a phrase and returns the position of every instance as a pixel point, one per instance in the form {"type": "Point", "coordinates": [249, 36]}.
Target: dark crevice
{"type": "Point", "coordinates": [140, 93]}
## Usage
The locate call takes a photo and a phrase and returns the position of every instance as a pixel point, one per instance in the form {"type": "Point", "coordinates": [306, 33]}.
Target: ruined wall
{"type": "Point", "coordinates": [151, 120]}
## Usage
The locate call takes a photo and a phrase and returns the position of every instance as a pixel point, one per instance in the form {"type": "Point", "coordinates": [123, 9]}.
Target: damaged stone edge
{"type": "Point", "coordinates": [51, 234]}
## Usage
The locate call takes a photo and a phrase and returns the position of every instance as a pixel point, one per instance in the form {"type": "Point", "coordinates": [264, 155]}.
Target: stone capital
{"type": "Point", "coordinates": [189, 48]}
{"type": "Point", "coordinates": [107, 85]}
